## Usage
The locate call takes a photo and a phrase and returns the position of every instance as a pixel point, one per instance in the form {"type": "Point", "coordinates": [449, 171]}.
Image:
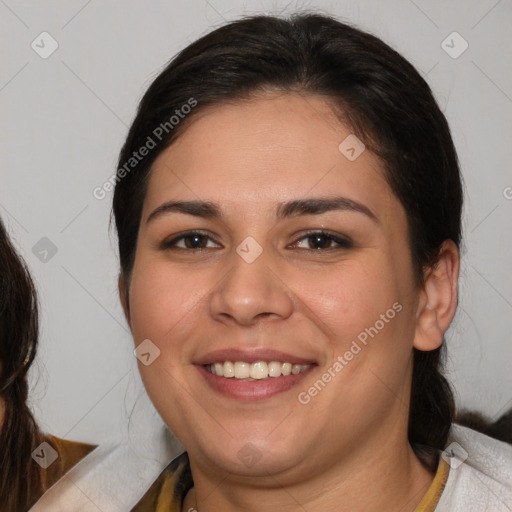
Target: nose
{"type": "Point", "coordinates": [251, 291]}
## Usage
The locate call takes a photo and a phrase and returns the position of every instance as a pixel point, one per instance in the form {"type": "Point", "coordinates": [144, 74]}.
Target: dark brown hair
{"type": "Point", "coordinates": [500, 429]}
{"type": "Point", "coordinates": [373, 89]}
{"type": "Point", "coordinates": [20, 477]}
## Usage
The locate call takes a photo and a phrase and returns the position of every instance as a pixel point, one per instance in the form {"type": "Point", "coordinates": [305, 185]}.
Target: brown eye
{"type": "Point", "coordinates": [193, 240]}
{"type": "Point", "coordinates": [321, 240]}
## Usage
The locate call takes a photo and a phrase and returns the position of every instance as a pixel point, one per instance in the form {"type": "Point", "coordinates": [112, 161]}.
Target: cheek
{"type": "Point", "coordinates": [163, 303]}
{"type": "Point", "coordinates": [369, 322]}
{"type": "Point", "coordinates": [364, 312]}
{"type": "Point", "coordinates": [161, 299]}
{"type": "Point", "coordinates": [347, 300]}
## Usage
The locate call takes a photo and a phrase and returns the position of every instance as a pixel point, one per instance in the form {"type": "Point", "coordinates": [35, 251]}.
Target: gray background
{"type": "Point", "coordinates": [63, 122]}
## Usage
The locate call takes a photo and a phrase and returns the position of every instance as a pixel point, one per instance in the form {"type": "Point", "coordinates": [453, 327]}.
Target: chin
{"type": "Point", "coordinates": [250, 455]}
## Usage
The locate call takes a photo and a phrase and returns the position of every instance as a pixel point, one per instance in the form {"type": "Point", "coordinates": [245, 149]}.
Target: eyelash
{"type": "Point", "coordinates": [343, 242]}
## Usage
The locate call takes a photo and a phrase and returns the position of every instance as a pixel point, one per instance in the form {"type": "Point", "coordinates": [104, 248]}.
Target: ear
{"type": "Point", "coordinates": [123, 296]}
{"type": "Point", "coordinates": [438, 299]}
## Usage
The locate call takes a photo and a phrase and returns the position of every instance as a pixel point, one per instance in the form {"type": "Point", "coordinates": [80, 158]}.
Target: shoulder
{"type": "Point", "coordinates": [70, 452]}
{"type": "Point", "coordinates": [58, 456]}
{"type": "Point", "coordinates": [113, 476]}
{"type": "Point", "coordinates": [480, 476]}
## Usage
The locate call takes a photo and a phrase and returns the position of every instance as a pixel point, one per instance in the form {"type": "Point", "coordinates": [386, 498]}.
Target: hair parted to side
{"type": "Point", "coordinates": [20, 476]}
{"type": "Point", "coordinates": [373, 90]}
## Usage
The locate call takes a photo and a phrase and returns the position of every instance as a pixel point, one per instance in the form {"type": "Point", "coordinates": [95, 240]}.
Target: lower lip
{"type": "Point", "coordinates": [252, 390]}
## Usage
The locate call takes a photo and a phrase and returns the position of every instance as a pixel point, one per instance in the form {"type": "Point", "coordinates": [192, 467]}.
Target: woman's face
{"type": "Point", "coordinates": [238, 272]}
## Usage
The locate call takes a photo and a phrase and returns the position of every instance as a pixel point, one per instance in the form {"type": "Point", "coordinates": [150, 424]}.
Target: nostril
{"type": "Point", "coordinates": [263, 314]}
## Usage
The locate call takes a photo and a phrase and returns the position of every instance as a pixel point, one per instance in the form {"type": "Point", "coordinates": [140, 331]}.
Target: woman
{"type": "Point", "coordinates": [288, 207]}
{"type": "Point", "coordinates": [30, 461]}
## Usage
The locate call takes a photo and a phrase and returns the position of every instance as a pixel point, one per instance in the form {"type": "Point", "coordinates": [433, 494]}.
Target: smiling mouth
{"type": "Point", "coordinates": [259, 370]}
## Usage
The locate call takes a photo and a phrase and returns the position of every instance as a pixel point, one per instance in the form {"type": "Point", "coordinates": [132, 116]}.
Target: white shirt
{"type": "Point", "coordinates": [481, 482]}
{"type": "Point", "coordinates": [114, 478]}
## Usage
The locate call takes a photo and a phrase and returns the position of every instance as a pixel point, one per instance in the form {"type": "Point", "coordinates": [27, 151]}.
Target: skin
{"type": "Point", "coordinates": [347, 448]}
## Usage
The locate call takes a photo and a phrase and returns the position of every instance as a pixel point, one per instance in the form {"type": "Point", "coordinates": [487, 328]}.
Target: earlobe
{"type": "Point", "coordinates": [438, 299]}
{"type": "Point", "coordinates": [123, 297]}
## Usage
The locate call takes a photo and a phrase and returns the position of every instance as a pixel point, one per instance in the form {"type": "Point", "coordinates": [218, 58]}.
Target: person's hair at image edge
{"type": "Point", "coordinates": [374, 91]}
{"type": "Point", "coordinates": [20, 477]}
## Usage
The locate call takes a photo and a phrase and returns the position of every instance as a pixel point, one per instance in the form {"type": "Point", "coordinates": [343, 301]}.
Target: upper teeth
{"type": "Point", "coordinates": [258, 370]}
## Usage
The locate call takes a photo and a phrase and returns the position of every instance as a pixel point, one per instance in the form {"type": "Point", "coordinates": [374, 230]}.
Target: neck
{"type": "Point", "coordinates": [379, 476]}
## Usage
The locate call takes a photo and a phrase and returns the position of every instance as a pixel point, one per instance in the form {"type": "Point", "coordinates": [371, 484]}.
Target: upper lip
{"type": "Point", "coordinates": [250, 356]}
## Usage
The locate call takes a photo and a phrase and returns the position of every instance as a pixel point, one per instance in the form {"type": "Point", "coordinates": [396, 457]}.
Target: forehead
{"type": "Point", "coordinates": [269, 149]}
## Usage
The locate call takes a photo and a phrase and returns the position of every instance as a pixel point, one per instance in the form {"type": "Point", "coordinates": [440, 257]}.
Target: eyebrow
{"type": "Point", "coordinates": [316, 206]}
{"type": "Point", "coordinates": [197, 208]}
{"type": "Point", "coordinates": [313, 206]}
